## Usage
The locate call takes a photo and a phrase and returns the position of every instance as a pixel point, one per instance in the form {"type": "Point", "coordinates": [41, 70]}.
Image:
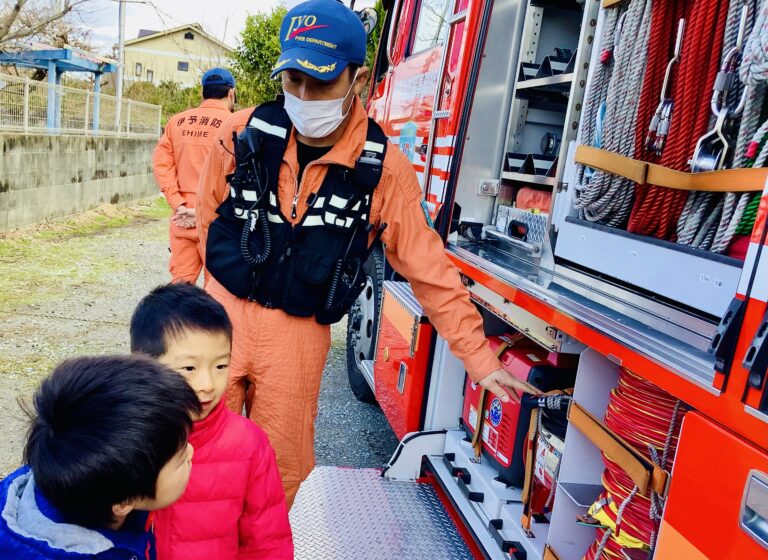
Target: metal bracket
{"type": "Point", "coordinates": [405, 464]}
{"type": "Point", "coordinates": [723, 346]}
{"type": "Point", "coordinates": [513, 548]}
{"type": "Point", "coordinates": [756, 358]}
{"type": "Point", "coordinates": [488, 187]}
{"type": "Point", "coordinates": [463, 479]}
{"type": "Point", "coordinates": [457, 17]}
{"type": "Point", "coordinates": [531, 32]}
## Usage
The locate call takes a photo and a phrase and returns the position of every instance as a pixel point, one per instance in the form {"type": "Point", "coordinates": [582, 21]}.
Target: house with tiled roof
{"type": "Point", "coordinates": [180, 55]}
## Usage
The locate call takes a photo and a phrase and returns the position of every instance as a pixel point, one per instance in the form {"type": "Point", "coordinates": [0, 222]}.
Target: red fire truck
{"type": "Point", "coordinates": [597, 170]}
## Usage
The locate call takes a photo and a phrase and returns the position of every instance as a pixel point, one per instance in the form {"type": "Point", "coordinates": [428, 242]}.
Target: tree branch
{"type": "Point", "coordinates": [10, 19]}
{"type": "Point", "coordinates": [29, 30]}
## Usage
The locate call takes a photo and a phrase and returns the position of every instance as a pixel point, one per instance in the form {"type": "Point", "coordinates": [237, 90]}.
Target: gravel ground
{"type": "Point", "coordinates": [349, 433]}
{"type": "Point", "coordinates": [89, 314]}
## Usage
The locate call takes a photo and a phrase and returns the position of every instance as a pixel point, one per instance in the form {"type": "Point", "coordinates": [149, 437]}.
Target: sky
{"type": "Point", "coordinates": [224, 19]}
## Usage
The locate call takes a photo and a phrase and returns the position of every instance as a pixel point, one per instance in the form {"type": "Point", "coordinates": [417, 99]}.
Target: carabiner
{"type": "Point", "coordinates": [661, 121]}
{"type": "Point", "coordinates": [712, 149]}
{"type": "Point", "coordinates": [727, 75]}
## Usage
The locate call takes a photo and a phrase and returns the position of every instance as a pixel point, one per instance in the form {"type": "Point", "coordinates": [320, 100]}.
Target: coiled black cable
{"type": "Point", "coordinates": [245, 238]}
{"type": "Point", "coordinates": [247, 173]}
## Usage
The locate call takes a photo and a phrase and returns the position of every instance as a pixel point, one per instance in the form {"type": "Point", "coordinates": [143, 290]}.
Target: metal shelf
{"type": "Point", "coordinates": [583, 495]}
{"type": "Point", "coordinates": [532, 179]}
{"type": "Point", "coordinates": [549, 81]}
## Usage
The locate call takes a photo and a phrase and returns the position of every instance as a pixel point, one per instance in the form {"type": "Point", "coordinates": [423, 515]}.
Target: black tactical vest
{"type": "Point", "coordinates": [315, 267]}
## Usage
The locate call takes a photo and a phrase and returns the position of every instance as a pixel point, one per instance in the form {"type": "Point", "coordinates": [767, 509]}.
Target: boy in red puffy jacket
{"type": "Point", "coordinates": [234, 506]}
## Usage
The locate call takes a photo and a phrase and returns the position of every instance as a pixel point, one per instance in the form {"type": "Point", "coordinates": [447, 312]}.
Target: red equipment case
{"type": "Point", "coordinates": [402, 356]}
{"type": "Point", "coordinates": [504, 424]}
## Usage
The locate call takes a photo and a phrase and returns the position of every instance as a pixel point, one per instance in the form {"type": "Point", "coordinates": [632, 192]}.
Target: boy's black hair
{"type": "Point", "coordinates": [103, 428]}
{"type": "Point", "coordinates": [215, 91]}
{"type": "Point", "coordinates": [170, 310]}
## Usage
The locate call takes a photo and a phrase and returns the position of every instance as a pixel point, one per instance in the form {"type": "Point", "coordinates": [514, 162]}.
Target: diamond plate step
{"type": "Point", "coordinates": [356, 514]}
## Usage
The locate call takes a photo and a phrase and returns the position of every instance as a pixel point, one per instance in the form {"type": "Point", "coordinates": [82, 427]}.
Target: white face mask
{"type": "Point", "coordinates": [317, 119]}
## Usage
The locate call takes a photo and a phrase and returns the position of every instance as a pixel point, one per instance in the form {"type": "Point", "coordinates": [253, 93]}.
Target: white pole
{"type": "Point", "coordinates": [120, 64]}
{"type": "Point", "coordinates": [86, 116]}
{"type": "Point", "coordinates": [26, 104]}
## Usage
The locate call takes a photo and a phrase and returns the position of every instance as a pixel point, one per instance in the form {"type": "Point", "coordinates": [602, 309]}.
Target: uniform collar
{"type": "Point", "coordinates": [215, 103]}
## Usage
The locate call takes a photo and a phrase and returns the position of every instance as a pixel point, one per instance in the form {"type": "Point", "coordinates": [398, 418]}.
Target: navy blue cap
{"type": "Point", "coordinates": [321, 38]}
{"type": "Point", "coordinates": [218, 77]}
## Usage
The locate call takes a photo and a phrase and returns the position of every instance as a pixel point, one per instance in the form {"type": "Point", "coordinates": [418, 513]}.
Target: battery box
{"type": "Point", "coordinates": [505, 425]}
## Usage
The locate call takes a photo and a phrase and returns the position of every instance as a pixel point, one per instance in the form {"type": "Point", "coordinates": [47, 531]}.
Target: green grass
{"type": "Point", "coordinates": [40, 263]}
{"type": "Point", "coordinates": [74, 229]}
{"type": "Point", "coordinates": [94, 222]}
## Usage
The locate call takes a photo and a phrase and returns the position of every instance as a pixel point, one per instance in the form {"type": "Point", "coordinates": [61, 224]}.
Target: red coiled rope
{"type": "Point", "coordinates": [664, 18]}
{"type": "Point", "coordinates": [612, 549]}
{"type": "Point", "coordinates": [657, 210]}
{"type": "Point", "coordinates": [649, 419]}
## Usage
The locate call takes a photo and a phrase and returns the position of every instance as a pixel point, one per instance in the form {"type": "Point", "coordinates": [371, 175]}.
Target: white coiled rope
{"type": "Point", "coordinates": [708, 217]}
{"type": "Point", "coordinates": [608, 198]}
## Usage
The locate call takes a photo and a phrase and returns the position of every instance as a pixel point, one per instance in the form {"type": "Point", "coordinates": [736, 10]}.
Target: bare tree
{"type": "Point", "coordinates": [432, 26]}
{"type": "Point", "coordinates": [23, 19]}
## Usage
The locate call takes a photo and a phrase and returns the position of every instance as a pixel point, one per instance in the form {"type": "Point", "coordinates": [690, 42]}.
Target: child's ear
{"type": "Point", "coordinates": [121, 511]}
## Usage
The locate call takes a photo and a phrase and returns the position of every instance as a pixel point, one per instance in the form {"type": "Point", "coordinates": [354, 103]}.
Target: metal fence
{"type": "Point", "coordinates": [31, 106]}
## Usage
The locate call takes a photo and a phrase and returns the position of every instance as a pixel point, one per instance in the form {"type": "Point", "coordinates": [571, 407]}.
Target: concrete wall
{"type": "Point", "coordinates": [50, 176]}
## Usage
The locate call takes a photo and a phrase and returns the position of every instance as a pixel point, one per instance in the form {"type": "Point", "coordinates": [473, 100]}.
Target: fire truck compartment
{"type": "Point", "coordinates": [674, 336]}
{"type": "Point", "coordinates": [704, 281]}
{"type": "Point", "coordinates": [531, 148]}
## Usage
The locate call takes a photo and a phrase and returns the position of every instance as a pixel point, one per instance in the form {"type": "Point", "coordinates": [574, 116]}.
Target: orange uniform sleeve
{"type": "Point", "coordinates": [212, 189]}
{"type": "Point", "coordinates": [164, 167]}
{"type": "Point", "coordinates": [416, 252]}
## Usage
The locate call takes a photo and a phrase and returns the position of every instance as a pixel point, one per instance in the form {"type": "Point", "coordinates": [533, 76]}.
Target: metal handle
{"type": "Point", "coordinates": [401, 375]}
{"type": "Point", "coordinates": [756, 358]}
{"type": "Point", "coordinates": [754, 508]}
{"type": "Point", "coordinates": [517, 230]}
{"type": "Point", "coordinates": [665, 88]}
{"type": "Point", "coordinates": [392, 25]}
{"type": "Point", "coordinates": [723, 346]}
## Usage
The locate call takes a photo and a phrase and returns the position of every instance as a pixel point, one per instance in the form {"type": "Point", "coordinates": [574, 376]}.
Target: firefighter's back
{"type": "Point", "coordinates": [191, 133]}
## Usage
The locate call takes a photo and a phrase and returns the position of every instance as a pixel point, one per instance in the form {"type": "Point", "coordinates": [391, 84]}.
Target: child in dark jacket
{"type": "Point", "coordinates": [108, 444]}
{"type": "Point", "coordinates": [234, 507]}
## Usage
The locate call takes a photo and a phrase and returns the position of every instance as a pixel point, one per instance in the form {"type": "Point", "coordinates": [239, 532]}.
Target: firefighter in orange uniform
{"type": "Point", "coordinates": [287, 221]}
{"type": "Point", "coordinates": [178, 160]}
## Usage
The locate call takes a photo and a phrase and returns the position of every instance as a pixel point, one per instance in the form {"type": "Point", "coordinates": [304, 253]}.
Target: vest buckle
{"type": "Point", "coordinates": [367, 173]}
